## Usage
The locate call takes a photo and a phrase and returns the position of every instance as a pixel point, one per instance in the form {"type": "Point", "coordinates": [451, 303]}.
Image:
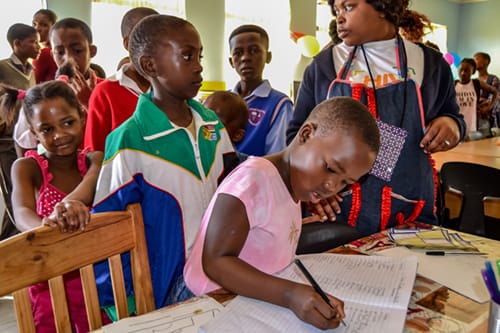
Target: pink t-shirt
{"type": "Point", "coordinates": [274, 217]}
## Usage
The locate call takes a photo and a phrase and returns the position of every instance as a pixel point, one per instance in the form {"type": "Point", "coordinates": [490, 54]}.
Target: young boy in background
{"type": "Point", "coordinates": [17, 70]}
{"type": "Point", "coordinates": [269, 109]}
{"type": "Point", "coordinates": [114, 100]}
{"type": "Point", "coordinates": [168, 156]}
{"type": "Point", "coordinates": [71, 41]}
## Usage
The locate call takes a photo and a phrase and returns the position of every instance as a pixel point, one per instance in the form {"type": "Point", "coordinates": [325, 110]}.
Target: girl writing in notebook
{"type": "Point", "coordinates": [252, 225]}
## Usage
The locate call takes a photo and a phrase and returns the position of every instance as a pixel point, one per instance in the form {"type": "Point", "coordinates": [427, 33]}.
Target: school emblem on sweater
{"type": "Point", "coordinates": [209, 133]}
{"type": "Point", "coordinates": [255, 116]}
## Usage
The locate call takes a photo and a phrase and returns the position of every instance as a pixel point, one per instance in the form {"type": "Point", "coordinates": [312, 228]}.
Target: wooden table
{"type": "Point", "coordinates": [434, 307]}
{"type": "Point", "coordinates": [485, 152]}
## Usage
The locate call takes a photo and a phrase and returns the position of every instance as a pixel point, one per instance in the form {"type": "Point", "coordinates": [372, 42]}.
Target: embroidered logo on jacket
{"type": "Point", "coordinates": [209, 132]}
{"type": "Point", "coordinates": [255, 116]}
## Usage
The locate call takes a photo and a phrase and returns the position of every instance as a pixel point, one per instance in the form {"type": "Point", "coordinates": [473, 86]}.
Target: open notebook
{"type": "Point", "coordinates": [376, 291]}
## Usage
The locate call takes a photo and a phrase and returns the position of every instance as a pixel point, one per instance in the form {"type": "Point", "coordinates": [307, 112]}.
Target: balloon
{"type": "Point", "coordinates": [449, 58]}
{"type": "Point", "coordinates": [456, 59]}
{"type": "Point", "coordinates": [308, 45]}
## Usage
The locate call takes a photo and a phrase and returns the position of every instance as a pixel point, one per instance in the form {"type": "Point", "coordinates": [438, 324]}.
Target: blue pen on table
{"type": "Point", "coordinates": [490, 282]}
{"type": "Point", "coordinates": [315, 285]}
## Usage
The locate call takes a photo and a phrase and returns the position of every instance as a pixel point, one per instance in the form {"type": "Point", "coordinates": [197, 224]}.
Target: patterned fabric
{"type": "Point", "coordinates": [392, 140]}
{"type": "Point", "coordinates": [274, 219]}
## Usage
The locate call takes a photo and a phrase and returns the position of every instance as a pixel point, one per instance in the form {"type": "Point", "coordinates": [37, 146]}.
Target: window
{"type": "Point", "coordinates": [106, 19]}
{"type": "Point", "coordinates": [274, 17]}
{"type": "Point", "coordinates": [10, 13]}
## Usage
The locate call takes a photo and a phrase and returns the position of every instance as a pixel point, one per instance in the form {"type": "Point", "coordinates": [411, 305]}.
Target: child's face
{"type": "Point", "coordinates": [42, 25]}
{"type": "Point", "coordinates": [321, 166]}
{"type": "Point", "coordinates": [28, 47]}
{"type": "Point", "coordinates": [465, 72]}
{"type": "Point", "coordinates": [358, 22]}
{"type": "Point", "coordinates": [57, 126]}
{"type": "Point", "coordinates": [175, 69]}
{"type": "Point", "coordinates": [249, 55]}
{"type": "Point", "coordinates": [71, 44]}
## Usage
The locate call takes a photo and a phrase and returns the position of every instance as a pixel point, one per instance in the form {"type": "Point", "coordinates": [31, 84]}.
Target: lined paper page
{"type": "Point", "coordinates": [248, 315]}
{"type": "Point", "coordinates": [375, 290]}
{"type": "Point", "coordinates": [364, 279]}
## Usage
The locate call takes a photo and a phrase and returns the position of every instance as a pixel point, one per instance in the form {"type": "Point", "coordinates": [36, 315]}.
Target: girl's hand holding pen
{"type": "Point", "coordinates": [308, 305]}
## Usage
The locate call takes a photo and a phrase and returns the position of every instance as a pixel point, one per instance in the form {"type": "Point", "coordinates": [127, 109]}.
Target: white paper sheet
{"type": "Point", "coordinates": [376, 291]}
{"type": "Point", "coordinates": [461, 273]}
{"type": "Point", "coordinates": [183, 318]}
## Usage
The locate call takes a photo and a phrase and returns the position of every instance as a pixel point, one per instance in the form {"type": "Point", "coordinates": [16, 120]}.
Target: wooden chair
{"type": "Point", "coordinates": [491, 206]}
{"type": "Point", "coordinates": [464, 187]}
{"type": "Point", "coordinates": [45, 254]}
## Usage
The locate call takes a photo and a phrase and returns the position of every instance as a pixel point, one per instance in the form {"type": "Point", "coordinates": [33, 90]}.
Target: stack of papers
{"type": "Point", "coordinates": [436, 239]}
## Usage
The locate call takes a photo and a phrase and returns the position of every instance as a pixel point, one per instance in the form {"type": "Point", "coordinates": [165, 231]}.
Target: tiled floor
{"type": "Point", "coordinates": [7, 317]}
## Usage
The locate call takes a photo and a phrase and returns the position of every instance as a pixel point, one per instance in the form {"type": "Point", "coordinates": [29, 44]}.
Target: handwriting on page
{"type": "Point", "coordinates": [359, 278]}
{"type": "Point", "coordinates": [375, 290]}
{"type": "Point", "coordinates": [183, 318]}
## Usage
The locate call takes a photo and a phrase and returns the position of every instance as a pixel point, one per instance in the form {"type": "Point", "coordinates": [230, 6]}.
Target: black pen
{"type": "Point", "coordinates": [445, 253]}
{"type": "Point", "coordinates": [315, 285]}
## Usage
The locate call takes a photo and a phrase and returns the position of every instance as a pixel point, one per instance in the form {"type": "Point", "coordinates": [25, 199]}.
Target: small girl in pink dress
{"type": "Point", "coordinates": [49, 185]}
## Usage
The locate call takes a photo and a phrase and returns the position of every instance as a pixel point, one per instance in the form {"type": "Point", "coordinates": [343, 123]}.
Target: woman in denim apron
{"type": "Point", "coordinates": [409, 89]}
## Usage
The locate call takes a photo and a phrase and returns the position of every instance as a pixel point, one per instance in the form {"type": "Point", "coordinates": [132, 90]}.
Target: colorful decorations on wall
{"type": "Point", "coordinates": [452, 58]}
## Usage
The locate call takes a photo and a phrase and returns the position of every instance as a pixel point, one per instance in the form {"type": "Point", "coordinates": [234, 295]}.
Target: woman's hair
{"type": "Point", "coordinates": [413, 24]}
{"type": "Point", "coordinates": [47, 13]}
{"type": "Point", "coordinates": [393, 10]}
{"type": "Point", "coordinates": [34, 96]}
{"type": "Point", "coordinates": [332, 32]}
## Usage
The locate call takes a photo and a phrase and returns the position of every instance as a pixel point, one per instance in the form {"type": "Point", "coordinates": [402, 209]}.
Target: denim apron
{"type": "Point", "coordinates": [406, 190]}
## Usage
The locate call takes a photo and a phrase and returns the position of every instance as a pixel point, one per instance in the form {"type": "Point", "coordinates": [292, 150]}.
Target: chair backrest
{"type": "Point", "coordinates": [45, 254]}
{"type": "Point", "coordinates": [491, 207]}
{"type": "Point", "coordinates": [474, 182]}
